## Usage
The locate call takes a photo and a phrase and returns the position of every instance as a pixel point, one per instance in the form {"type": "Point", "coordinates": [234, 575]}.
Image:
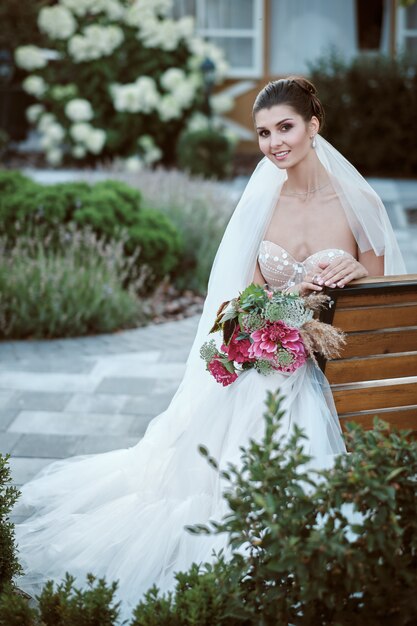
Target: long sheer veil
{"type": "Point", "coordinates": [235, 260]}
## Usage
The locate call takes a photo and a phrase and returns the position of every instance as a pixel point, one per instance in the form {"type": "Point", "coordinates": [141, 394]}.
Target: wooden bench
{"type": "Point", "coordinates": [376, 373]}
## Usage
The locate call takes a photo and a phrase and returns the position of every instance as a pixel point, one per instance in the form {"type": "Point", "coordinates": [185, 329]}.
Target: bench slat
{"type": "Point", "coordinates": [404, 418]}
{"type": "Point", "coordinates": [372, 368]}
{"type": "Point", "coordinates": [377, 299]}
{"type": "Point", "coordinates": [368, 398]}
{"type": "Point", "coordinates": [377, 342]}
{"type": "Point", "coordinates": [368, 318]}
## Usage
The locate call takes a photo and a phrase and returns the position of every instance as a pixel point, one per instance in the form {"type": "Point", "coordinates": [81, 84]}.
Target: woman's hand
{"type": "Point", "coordinates": [309, 284]}
{"type": "Point", "coordinates": [340, 272]}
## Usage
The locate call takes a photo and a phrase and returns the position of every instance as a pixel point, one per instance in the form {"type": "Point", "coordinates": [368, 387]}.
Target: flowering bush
{"type": "Point", "coordinates": [120, 77]}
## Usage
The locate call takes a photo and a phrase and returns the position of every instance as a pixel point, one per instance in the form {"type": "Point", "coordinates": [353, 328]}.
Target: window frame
{"type": "Point", "coordinates": [403, 33]}
{"type": "Point", "coordinates": [256, 34]}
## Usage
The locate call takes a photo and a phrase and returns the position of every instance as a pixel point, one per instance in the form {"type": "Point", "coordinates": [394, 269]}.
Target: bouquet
{"type": "Point", "coordinates": [268, 331]}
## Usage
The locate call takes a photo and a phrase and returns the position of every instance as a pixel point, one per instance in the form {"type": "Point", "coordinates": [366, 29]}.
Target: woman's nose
{"type": "Point", "coordinates": [276, 140]}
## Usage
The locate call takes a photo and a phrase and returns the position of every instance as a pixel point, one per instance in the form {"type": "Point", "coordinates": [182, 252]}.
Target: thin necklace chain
{"type": "Point", "coordinates": [305, 193]}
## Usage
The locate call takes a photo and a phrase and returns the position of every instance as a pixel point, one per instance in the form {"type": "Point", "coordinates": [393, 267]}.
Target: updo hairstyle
{"type": "Point", "coordinates": [295, 91]}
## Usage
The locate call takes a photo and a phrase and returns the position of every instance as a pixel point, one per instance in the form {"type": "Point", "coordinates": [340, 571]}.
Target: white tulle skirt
{"type": "Point", "coordinates": [121, 514]}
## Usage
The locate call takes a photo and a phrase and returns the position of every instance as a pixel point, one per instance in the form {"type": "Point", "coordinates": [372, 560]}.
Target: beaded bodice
{"type": "Point", "coordinates": [281, 270]}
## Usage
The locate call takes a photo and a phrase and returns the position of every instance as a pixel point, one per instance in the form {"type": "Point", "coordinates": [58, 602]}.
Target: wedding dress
{"type": "Point", "coordinates": [121, 514]}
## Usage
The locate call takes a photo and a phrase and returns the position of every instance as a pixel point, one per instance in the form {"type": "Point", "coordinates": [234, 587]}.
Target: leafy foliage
{"type": "Point", "coordinates": [111, 209]}
{"type": "Point", "coordinates": [207, 152]}
{"type": "Point", "coordinates": [9, 566]}
{"type": "Point", "coordinates": [335, 547]}
{"type": "Point", "coordinates": [63, 605]}
{"type": "Point", "coordinates": [71, 289]}
{"type": "Point", "coordinates": [370, 101]}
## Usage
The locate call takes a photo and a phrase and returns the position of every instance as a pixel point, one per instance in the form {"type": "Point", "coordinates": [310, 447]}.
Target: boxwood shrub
{"type": "Point", "coordinates": [110, 208]}
{"type": "Point", "coordinates": [371, 109]}
{"type": "Point", "coordinates": [206, 152]}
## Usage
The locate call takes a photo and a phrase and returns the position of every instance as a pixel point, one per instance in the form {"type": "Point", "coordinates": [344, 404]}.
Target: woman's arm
{"type": "Point", "coordinates": [372, 263]}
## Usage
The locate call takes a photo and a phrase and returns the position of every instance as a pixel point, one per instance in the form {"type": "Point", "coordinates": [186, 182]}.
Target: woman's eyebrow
{"type": "Point", "coordinates": [277, 124]}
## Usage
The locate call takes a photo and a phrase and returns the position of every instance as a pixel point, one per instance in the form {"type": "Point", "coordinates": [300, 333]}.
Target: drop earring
{"type": "Point", "coordinates": [313, 143]}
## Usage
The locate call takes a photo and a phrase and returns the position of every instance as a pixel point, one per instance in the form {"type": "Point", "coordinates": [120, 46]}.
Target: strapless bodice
{"type": "Point", "coordinates": [281, 270]}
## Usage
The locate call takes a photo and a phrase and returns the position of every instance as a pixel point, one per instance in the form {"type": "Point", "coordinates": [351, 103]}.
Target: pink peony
{"type": "Point", "coordinates": [267, 340]}
{"type": "Point", "coordinates": [220, 373]}
{"type": "Point", "coordinates": [238, 350]}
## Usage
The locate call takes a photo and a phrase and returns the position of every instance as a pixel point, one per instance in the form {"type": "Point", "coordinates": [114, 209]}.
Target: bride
{"type": "Point", "coordinates": [306, 219]}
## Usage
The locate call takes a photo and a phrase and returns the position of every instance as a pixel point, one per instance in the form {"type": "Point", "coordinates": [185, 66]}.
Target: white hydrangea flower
{"type": "Point", "coordinates": [221, 103]}
{"type": "Point", "coordinates": [95, 42]}
{"type": "Point", "coordinates": [113, 9]}
{"type": "Point", "coordinates": [159, 34]}
{"type": "Point", "coordinates": [46, 143]}
{"type": "Point", "coordinates": [79, 110]}
{"type": "Point", "coordinates": [78, 7]}
{"type": "Point", "coordinates": [151, 152]}
{"type": "Point", "coordinates": [184, 94]}
{"type": "Point", "coordinates": [141, 10]}
{"type": "Point", "coordinates": [92, 138]}
{"type": "Point", "coordinates": [197, 122]}
{"type": "Point", "coordinates": [30, 58]}
{"type": "Point", "coordinates": [204, 49]}
{"type": "Point", "coordinates": [80, 131]}
{"type": "Point", "coordinates": [133, 164]}
{"type": "Point", "coordinates": [96, 140]}
{"type": "Point", "coordinates": [35, 86]}
{"type": "Point", "coordinates": [34, 112]}
{"type": "Point", "coordinates": [57, 22]}
{"type": "Point", "coordinates": [172, 77]}
{"type": "Point", "coordinates": [45, 121]}
{"type": "Point", "coordinates": [168, 108]}
{"type": "Point", "coordinates": [79, 48]}
{"type": "Point", "coordinates": [54, 156]}
{"type": "Point", "coordinates": [182, 87]}
{"type": "Point", "coordinates": [79, 151]}
{"type": "Point", "coordinates": [55, 133]}
{"type": "Point", "coordinates": [186, 27]}
{"type": "Point", "coordinates": [140, 96]}
{"type": "Point", "coordinates": [231, 137]}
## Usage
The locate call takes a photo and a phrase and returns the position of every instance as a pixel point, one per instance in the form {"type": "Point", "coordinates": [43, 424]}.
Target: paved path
{"type": "Point", "coordinates": [79, 396]}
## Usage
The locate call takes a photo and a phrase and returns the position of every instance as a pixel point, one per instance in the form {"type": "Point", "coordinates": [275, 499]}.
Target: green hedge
{"type": "Point", "coordinates": [371, 111]}
{"type": "Point", "coordinates": [206, 152]}
{"type": "Point", "coordinates": [111, 208]}
{"type": "Point", "coordinates": [335, 547]}
{"type": "Point", "coordinates": [9, 565]}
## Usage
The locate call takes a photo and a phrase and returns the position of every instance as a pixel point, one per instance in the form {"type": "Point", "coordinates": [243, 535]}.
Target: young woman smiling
{"type": "Point", "coordinates": [306, 219]}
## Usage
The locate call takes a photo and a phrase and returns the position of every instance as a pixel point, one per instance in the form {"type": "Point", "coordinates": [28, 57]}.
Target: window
{"type": "Point", "coordinates": [407, 30]}
{"type": "Point", "coordinates": [302, 31]}
{"type": "Point", "coordinates": [369, 21]}
{"type": "Point", "coordinates": [235, 26]}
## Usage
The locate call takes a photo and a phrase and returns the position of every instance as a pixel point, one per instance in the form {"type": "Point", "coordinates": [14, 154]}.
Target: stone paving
{"type": "Point", "coordinates": [78, 396]}
{"type": "Point", "coordinates": [64, 397]}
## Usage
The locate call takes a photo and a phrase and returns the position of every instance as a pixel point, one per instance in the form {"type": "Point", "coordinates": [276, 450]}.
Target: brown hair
{"type": "Point", "coordinates": [295, 91]}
